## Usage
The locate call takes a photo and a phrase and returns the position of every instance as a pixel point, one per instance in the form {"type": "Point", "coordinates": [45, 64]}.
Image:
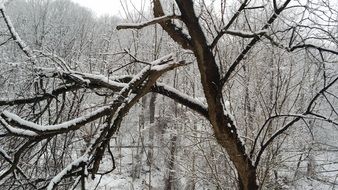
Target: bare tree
{"type": "Point", "coordinates": [225, 129]}
{"type": "Point", "coordinates": [30, 123]}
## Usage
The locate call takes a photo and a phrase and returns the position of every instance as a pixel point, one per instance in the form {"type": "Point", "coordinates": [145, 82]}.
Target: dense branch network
{"type": "Point", "coordinates": [123, 92]}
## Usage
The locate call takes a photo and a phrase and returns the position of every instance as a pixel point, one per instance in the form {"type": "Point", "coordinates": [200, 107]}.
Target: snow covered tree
{"type": "Point", "coordinates": [286, 44]}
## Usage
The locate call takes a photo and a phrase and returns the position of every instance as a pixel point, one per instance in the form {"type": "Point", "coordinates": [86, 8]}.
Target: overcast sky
{"type": "Point", "coordinates": [110, 7]}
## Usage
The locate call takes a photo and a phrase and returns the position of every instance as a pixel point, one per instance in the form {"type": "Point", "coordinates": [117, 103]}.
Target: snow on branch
{"type": "Point", "coordinates": [147, 76]}
{"type": "Point", "coordinates": [148, 23]}
{"type": "Point", "coordinates": [71, 167]}
{"type": "Point", "coordinates": [37, 98]}
{"type": "Point", "coordinates": [245, 34]}
{"type": "Point", "coordinates": [23, 46]}
{"type": "Point", "coordinates": [181, 98]}
{"type": "Point", "coordinates": [27, 128]}
{"type": "Point", "coordinates": [17, 131]}
{"type": "Point", "coordinates": [4, 154]}
{"type": "Point", "coordinates": [153, 71]}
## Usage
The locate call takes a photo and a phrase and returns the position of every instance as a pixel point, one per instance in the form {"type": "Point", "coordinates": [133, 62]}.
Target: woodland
{"type": "Point", "coordinates": [180, 94]}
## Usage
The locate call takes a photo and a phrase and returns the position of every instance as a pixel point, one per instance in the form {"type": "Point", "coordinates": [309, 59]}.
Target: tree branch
{"type": "Point", "coordinates": [22, 45]}
{"type": "Point", "coordinates": [172, 29]}
{"type": "Point", "coordinates": [287, 126]}
{"type": "Point", "coordinates": [156, 20]}
{"type": "Point", "coordinates": [232, 20]}
{"type": "Point", "coordinates": [252, 43]}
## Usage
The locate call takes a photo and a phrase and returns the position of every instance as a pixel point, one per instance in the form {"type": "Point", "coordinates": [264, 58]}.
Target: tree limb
{"type": "Point", "coordinates": [172, 29]}
{"type": "Point", "coordinates": [156, 20]}
{"type": "Point", "coordinates": [252, 43]}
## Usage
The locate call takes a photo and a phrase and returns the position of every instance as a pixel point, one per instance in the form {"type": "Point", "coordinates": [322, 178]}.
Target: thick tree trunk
{"type": "Point", "coordinates": [223, 125]}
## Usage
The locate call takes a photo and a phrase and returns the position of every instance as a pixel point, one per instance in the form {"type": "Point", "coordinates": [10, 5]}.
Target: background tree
{"type": "Point", "coordinates": [264, 71]}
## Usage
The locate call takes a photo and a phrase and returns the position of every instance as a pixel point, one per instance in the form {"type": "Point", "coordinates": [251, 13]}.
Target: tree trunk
{"type": "Point", "coordinates": [169, 182]}
{"type": "Point", "coordinates": [221, 120]}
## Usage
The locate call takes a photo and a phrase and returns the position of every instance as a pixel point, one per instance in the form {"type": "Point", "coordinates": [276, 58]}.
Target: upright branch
{"type": "Point", "coordinates": [253, 42]}
{"type": "Point", "coordinates": [231, 21]}
{"type": "Point", "coordinates": [171, 28]}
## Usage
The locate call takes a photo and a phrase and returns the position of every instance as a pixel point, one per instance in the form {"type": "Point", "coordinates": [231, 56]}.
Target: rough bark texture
{"type": "Point", "coordinates": [223, 127]}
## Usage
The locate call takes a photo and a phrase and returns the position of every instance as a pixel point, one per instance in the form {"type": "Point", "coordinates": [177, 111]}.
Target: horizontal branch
{"type": "Point", "coordinates": [149, 74]}
{"type": "Point", "coordinates": [16, 131]}
{"type": "Point", "coordinates": [37, 129]}
{"type": "Point", "coordinates": [301, 46]}
{"type": "Point", "coordinates": [181, 98]}
{"type": "Point", "coordinates": [245, 34]}
{"type": "Point", "coordinates": [114, 83]}
{"type": "Point", "coordinates": [311, 46]}
{"type": "Point", "coordinates": [156, 20]}
{"type": "Point", "coordinates": [37, 98]}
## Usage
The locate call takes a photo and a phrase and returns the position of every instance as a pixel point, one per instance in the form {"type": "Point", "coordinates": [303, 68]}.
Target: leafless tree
{"type": "Point", "coordinates": [30, 123]}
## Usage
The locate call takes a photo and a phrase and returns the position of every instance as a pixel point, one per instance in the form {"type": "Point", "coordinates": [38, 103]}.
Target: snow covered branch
{"type": "Point", "coordinates": [148, 23]}
{"type": "Point", "coordinates": [27, 128]}
{"type": "Point", "coordinates": [17, 131]}
{"type": "Point", "coordinates": [181, 98]}
{"type": "Point", "coordinates": [245, 34]}
{"type": "Point", "coordinates": [54, 93]}
{"type": "Point", "coordinates": [83, 160]}
{"type": "Point", "coordinates": [149, 74]}
{"type": "Point", "coordinates": [23, 46]}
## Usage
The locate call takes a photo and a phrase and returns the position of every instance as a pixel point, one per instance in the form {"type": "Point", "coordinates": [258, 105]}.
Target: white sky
{"type": "Point", "coordinates": [111, 7]}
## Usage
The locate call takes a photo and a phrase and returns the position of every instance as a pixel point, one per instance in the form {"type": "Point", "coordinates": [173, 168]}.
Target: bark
{"type": "Point", "coordinates": [223, 126]}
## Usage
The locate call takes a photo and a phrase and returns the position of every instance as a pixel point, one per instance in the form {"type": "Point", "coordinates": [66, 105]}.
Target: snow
{"type": "Point", "coordinates": [17, 131]}
{"type": "Point", "coordinates": [227, 111]}
{"type": "Point", "coordinates": [182, 95]}
{"type": "Point", "coordinates": [143, 24]}
{"type": "Point", "coordinates": [85, 78]}
{"type": "Point", "coordinates": [160, 67]}
{"type": "Point", "coordinates": [3, 3]}
{"type": "Point", "coordinates": [145, 70]}
{"type": "Point", "coordinates": [246, 33]}
{"type": "Point", "coordinates": [109, 80]}
{"type": "Point", "coordinates": [3, 153]}
{"type": "Point", "coordinates": [80, 78]}
{"type": "Point", "coordinates": [69, 168]}
{"type": "Point", "coordinates": [227, 105]}
{"type": "Point", "coordinates": [44, 128]}
{"type": "Point", "coordinates": [18, 40]}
